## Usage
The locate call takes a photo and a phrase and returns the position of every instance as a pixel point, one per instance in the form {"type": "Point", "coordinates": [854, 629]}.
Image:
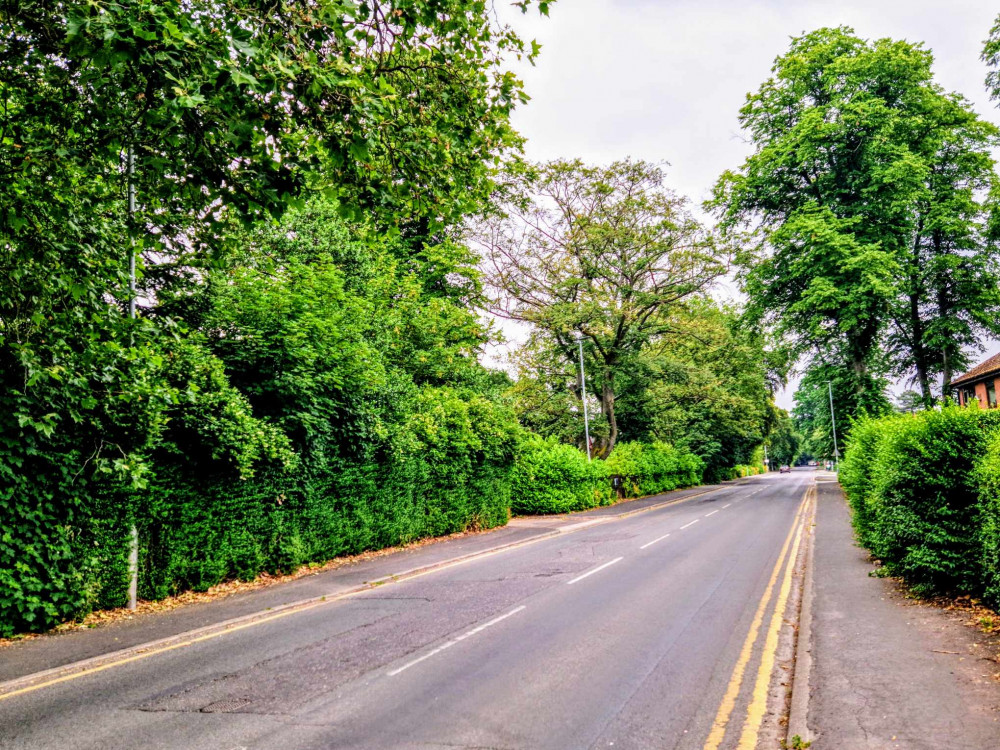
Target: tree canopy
{"type": "Point", "coordinates": [607, 253]}
{"type": "Point", "coordinates": [257, 351]}
{"type": "Point", "coordinates": [866, 208]}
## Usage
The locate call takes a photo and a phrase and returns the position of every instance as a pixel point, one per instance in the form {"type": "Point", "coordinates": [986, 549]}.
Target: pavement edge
{"type": "Point", "coordinates": [40, 679]}
{"type": "Point", "coordinates": [798, 716]}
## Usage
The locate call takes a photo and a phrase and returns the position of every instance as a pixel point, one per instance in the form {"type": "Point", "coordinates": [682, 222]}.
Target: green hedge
{"type": "Point", "coordinates": [988, 480]}
{"type": "Point", "coordinates": [923, 491]}
{"type": "Point", "coordinates": [459, 466]}
{"type": "Point", "coordinates": [195, 536]}
{"type": "Point", "coordinates": [550, 477]}
{"type": "Point", "coordinates": [448, 469]}
{"type": "Point", "coordinates": [651, 468]}
{"type": "Point", "coordinates": [741, 471]}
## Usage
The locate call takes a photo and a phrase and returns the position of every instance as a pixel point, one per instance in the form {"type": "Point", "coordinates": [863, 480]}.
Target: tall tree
{"type": "Point", "coordinates": [844, 155]}
{"type": "Point", "coordinates": [213, 114]}
{"type": "Point", "coordinates": [705, 387]}
{"type": "Point", "coordinates": [948, 295]}
{"type": "Point", "coordinates": [823, 378]}
{"type": "Point", "coordinates": [785, 442]}
{"type": "Point", "coordinates": [604, 252]}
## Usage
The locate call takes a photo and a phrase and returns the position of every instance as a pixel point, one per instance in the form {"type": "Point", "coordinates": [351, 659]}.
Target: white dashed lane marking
{"type": "Point", "coordinates": [453, 641]}
{"type": "Point", "coordinates": [595, 570]}
{"type": "Point", "coordinates": [658, 539]}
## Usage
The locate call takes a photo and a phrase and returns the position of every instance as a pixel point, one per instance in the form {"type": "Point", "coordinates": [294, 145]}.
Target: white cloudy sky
{"type": "Point", "coordinates": [663, 80]}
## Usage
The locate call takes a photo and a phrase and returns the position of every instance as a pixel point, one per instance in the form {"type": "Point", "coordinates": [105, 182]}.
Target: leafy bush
{"type": "Point", "coordinates": [745, 470]}
{"type": "Point", "coordinates": [449, 470]}
{"type": "Point", "coordinates": [651, 468]}
{"type": "Point", "coordinates": [856, 472]}
{"type": "Point", "coordinates": [988, 480]}
{"type": "Point", "coordinates": [915, 488]}
{"type": "Point", "coordinates": [552, 477]}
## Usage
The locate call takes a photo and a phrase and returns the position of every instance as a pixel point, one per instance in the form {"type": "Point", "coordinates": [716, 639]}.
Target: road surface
{"type": "Point", "coordinates": [649, 631]}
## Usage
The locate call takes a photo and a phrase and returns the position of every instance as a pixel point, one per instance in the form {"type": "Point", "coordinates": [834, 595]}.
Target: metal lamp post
{"type": "Point", "coordinates": [133, 546]}
{"type": "Point", "coordinates": [833, 426]}
{"type": "Point", "coordinates": [583, 393]}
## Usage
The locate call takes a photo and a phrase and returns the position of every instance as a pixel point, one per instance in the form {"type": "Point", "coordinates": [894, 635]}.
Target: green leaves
{"type": "Point", "coordinates": [604, 252]}
{"type": "Point", "coordinates": [860, 185]}
{"type": "Point", "coordinates": [922, 492]}
{"type": "Point", "coordinates": [234, 112]}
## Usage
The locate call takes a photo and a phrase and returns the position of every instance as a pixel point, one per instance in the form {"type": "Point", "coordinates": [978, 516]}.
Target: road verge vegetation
{"type": "Point", "coordinates": [925, 494]}
{"type": "Point", "coordinates": [552, 477]}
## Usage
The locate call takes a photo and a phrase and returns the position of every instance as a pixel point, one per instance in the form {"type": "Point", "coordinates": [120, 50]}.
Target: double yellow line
{"type": "Point", "coordinates": [183, 640]}
{"type": "Point", "coordinates": [758, 698]}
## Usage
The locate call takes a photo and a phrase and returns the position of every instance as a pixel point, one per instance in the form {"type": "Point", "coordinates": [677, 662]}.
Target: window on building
{"type": "Point", "coordinates": [991, 393]}
{"type": "Point", "coordinates": [969, 395]}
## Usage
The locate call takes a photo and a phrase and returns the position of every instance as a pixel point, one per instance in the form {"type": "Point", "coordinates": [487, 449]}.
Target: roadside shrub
{"type": "Point", "coordinates": [913, 485]}
{"type": "Point", "coordinates": [447, 468]}
{"type": "Point", "coordinates": [988, 480]}
{"type": "Point", "coordinates": [856, 472]}
{"type": "Point", "coordinates": [552, 477]}
{"type": "Point", "coordinates": [651, 468]}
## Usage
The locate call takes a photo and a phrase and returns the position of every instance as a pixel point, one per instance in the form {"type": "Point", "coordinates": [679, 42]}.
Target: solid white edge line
{"type": "Point", "coordinates": [453, 641]}
{"type": "Point", "coordinates": [689, 524]}
{"type": "Point", "coordinates": [658, 539]}
{"type": "Point", "coordinates": [712, 513]}
{"type": "Point", "coordinates": [595, 570]}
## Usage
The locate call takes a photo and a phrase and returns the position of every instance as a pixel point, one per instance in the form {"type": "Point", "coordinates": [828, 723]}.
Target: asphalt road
{"type": "Point", "coordinates": [626, 634]}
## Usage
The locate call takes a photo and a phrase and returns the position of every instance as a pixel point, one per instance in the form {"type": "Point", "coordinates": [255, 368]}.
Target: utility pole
{"type": "Point", "coordinates": [583, 393]}
{"type": "Point", "coordinates": [833, 424]}
{"type": "Point", "coordinates": [767, 464]}
{"type": "Point", "coordinates": [133, 547]}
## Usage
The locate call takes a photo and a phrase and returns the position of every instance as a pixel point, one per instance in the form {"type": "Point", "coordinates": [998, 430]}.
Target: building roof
{"type": "Point", "coordinates": [989, 367]}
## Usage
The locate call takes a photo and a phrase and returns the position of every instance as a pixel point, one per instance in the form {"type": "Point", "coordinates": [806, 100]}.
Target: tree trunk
{"type": "Point", "coordinates": [946, 377]}
{"type": "Point", "coordinates": [943, 311]}
{"type": "Point", "coordinates": [859, 365]}
{"type": "Point", "coordinates": [608, 409]}
{"type": "Point", "coordinates": [920, 356]}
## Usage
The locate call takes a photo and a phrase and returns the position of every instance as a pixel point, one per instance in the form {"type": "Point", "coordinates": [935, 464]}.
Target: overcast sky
{"type": "Point", "coordinates": [663, 80]}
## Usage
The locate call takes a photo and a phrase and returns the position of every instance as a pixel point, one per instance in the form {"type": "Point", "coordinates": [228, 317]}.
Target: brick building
{"type": "Point", "coordinates": [982, 382]}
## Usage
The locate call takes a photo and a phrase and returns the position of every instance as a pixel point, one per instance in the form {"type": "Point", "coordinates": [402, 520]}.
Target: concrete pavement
{"type": "Point", "coordinates": [67, 647]}
{"type": "Point", "coordinates": [889, 673]}
{"type": "Point", "coordinates": [630, 633]}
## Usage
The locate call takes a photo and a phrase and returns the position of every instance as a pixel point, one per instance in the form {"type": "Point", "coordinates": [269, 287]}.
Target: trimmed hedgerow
{"type": "Point", "coordinates": [857, 472]}
{"type": "Point", "coordinates": [551, 477]}
{"type": "Point", "coordinates": [651, 468]}
{"type": "Point", "coordinates": [916, 484]}
{"type": "Point", "coordinates": [988, 480]}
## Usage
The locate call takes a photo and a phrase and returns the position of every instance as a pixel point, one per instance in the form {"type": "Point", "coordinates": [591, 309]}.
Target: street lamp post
{"type": "Point", "coordinates": [833, 426]}
{"type": "Point", "coordinates": [583, 393]}
{"type": "Point", "coordinates": [133, 546]}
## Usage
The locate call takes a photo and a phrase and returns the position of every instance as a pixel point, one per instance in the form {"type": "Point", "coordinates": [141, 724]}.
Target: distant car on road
{"type": "Point", "coordinates": [784, 469]}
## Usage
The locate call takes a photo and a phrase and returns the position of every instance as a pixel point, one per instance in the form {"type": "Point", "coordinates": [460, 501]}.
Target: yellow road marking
{"type": "Point", "coordinates": [154, 651]}
{"type": "Point", "coordinates": [758, 702]}
{"type": "Point", "coordinates": [241, 626]}
{"type": "Point", "coordinates": [718, 731]}
{"type": "Point", "coordinates": [163, 649]}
